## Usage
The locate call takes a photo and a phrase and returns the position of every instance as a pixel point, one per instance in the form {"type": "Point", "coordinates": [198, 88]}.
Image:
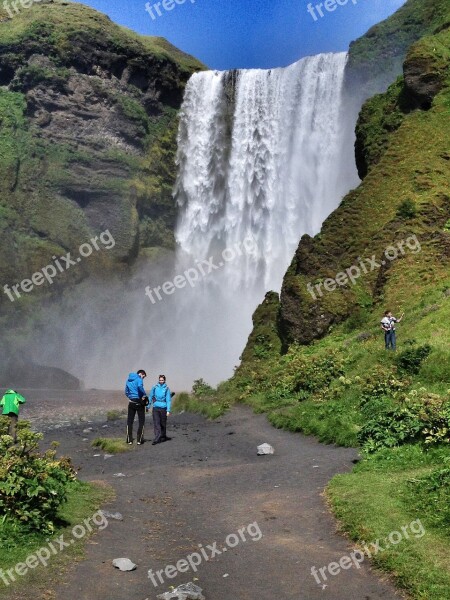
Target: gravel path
{"type": "Point", "coordinates": [199, 488]}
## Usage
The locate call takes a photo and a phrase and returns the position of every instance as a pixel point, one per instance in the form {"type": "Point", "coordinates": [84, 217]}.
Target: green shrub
{"type": "Point", "coordinates": [407, 210]}
{"type": "Point", "coordinates": [356, 320]}
{"type": "Point", "coordinates": [387, 425]}
{"type": "Point", "coordinates": [409, 361]}
{"type": "Point", "coordinates": [263, 347]}
{"type": "Point", "coordinates": [381, 383]}
{"type": "Point", "coordinates": [209, 407]}
{"type": "Point", "coordinates": [310, 373]}
{"type": "Point", "coordinates": [418, 416]}
{"type": "Point", "coordinates": [32, 485]}
{"type": "Point", "coordinates": [201, 388]}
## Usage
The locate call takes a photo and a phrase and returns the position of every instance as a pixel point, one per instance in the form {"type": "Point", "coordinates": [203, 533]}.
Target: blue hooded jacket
{"type": "Point", "coordinates": [134, 388]}
{"type": "Point", "coordinates": [161, 397]}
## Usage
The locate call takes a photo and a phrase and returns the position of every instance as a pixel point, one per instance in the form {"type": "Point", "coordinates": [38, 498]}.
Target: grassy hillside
{"type": "Point", "coordinates": [376, 58]}
{"type": "Point", "coordinates": [69, 20]}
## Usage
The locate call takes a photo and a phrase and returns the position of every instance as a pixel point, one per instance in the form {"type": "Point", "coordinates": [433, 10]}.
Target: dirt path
{"type": "Point", "coordinates": [199, 488]}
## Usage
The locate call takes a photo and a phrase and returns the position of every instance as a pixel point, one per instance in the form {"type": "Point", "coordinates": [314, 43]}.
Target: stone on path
{"type": "Point", "coordinates": [187, 591]}
{"type": "Point", "coordinates": [124, 564]}
{"type": "Point", "coordinates": [265, 449]}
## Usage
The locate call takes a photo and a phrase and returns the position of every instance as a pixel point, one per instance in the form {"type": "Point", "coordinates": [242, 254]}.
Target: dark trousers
{"type": "Point", "coordinates": [391, 340]}
{"type": "Point", "coordinates": [13, 419]}
{"type": "Point", "coordinates": [133, 408]}
{"type": "Point", "coordinates": [159, 423]}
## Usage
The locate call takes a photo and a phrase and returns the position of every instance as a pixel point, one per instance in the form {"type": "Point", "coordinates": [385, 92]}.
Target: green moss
{"type": "Point", "coordinates": [377, 56]}
{"type": "Point", "coordinates": [379, 118]}
{"type": "Point", "coordinates": [32, 76]}
{"type": "Point", "coordinates": [134, 110]}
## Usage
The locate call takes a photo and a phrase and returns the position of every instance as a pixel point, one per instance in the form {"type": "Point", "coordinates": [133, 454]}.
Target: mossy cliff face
{"type": "Point", "coordinates": [404, 197]}
{"type": "Point", "coordinates": [376, 59]}
{"type": "Point", "coordinates": [425, 75]}
{"type": "Point", "coordinates": [264, 340]}
{"type": "Point", "coordinates": [88, 115]}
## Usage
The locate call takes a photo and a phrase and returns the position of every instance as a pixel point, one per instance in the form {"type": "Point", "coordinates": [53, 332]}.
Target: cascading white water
{"type": "Point", "coordinates": [259, 153]}
{"type": "Point", "coordinates": [263, 157]}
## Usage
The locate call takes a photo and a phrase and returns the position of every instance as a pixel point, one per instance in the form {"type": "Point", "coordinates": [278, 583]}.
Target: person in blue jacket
{"type": "Point", "coordinates": [135, 392]}
{"type": "Point", "coordinates": [162, 400]}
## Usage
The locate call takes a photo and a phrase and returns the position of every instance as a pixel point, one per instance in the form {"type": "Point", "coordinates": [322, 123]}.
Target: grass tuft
{"type": "Point", "coordinates": [112, 445]}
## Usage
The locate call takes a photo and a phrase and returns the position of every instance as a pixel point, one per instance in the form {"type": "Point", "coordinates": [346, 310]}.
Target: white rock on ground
{"type": "Point", "coordinates": [124, 564]}
{"type": "Point", "coordinates": [265, 449]}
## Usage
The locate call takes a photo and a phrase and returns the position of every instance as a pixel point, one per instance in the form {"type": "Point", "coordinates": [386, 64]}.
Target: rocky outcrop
{"type": "Point", "coordinates": [264, 338]}
{"type": "Point", "coordinates": [85, 107]}
{"type": "Point", "coordinates": [427, 69]}
{"type": "Point", "coordinates": [376, 58]}
{"type": "Point", "coordinates": [425, 73]}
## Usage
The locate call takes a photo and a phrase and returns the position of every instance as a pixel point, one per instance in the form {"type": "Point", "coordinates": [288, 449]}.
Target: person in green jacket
{"type": "Point", "coordinates": [11, 402]}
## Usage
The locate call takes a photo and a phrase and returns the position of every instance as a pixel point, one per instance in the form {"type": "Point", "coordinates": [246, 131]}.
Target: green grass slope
{"type": "Point", "coordinates": [73, 21]}
{"type": "Point", "coordinates": [376, 58]}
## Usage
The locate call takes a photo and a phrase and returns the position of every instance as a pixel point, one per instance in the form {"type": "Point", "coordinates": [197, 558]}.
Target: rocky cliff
{"type": "Point", "coordinates": [88, 119]}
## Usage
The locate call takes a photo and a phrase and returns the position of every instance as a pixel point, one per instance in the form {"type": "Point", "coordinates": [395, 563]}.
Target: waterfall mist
{"type": "Point", "coordinates": [263, 157]}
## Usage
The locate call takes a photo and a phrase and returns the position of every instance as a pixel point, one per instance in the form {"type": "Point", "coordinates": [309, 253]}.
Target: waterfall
{"type": "Point", "coordinates": [263, 157]}
{"type": "Point", "coordinates": [260, 158]}
{"type": "Point", "coordinates": [259, 154]}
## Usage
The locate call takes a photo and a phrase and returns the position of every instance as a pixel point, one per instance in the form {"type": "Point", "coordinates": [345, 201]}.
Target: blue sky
{"type": "Point", "coordinates": [228, 34]}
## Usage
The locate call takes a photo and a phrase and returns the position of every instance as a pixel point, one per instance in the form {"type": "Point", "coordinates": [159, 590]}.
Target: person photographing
{"type": "Point", "coordinates": [388, 326]}
{"type": "Point", "coordinates": [161, 398]}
